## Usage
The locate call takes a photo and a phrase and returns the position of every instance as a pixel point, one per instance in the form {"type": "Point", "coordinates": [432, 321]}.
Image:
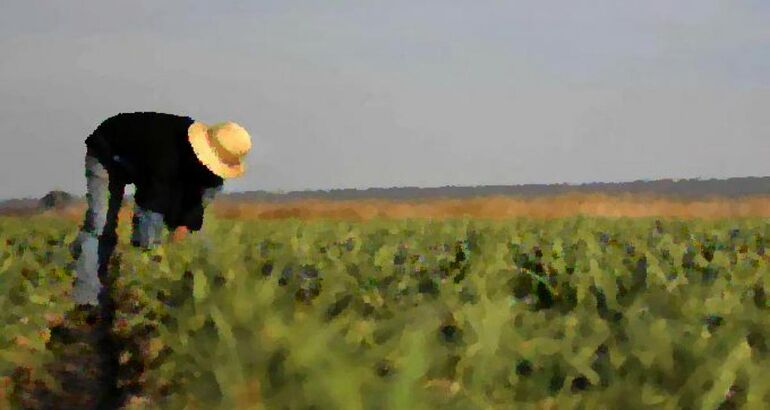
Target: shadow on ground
{"type": "Point", "coordinates": [85, 363]}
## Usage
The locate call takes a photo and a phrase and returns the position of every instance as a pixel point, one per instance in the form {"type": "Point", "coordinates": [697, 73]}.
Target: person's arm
{"type": "Point", "coordinates": [194, 217]}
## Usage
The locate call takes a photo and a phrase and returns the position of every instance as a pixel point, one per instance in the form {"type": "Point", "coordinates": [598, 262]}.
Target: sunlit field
{"type": "Point", "coordinates": [564, 302]}
{"type": "Point", "coordinates": [496, 208]}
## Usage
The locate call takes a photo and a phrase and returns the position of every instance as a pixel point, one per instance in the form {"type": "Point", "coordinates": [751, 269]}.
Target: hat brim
{"type": "Point", "coordinates": [197, 134]}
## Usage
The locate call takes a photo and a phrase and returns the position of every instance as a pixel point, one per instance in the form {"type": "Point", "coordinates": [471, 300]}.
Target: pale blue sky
{"type": "Point", "coordinates": [355, 94]}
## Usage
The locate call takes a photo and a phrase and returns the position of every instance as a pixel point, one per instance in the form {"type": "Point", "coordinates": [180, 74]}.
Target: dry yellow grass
{"type": "Point", "coordinates": [502, 207]}
{"type": "Point", "coordinates": [483, 207]}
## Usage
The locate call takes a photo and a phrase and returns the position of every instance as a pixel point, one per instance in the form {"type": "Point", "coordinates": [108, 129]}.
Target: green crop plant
{"type": "Point", "coordinates": [459, 314]}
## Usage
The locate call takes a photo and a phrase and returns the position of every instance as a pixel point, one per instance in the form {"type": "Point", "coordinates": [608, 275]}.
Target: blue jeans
{"type": "Point", "coordinates": [98, 237]}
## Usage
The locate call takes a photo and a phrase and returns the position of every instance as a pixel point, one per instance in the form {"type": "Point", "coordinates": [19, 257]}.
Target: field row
{"type": "Point", "coordinates": [465, 314]}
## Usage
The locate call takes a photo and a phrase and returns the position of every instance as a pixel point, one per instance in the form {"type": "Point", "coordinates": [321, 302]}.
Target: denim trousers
{"type": "Point", "coordinates": [97, 238]}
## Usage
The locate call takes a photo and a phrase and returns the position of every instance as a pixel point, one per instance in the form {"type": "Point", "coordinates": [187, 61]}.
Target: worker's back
{"type": "Point", "coordinates": [152, 151]}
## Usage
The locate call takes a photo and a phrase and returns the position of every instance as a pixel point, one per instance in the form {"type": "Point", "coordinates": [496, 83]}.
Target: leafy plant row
{"type": "Point", "coordinates": [574, 313]}
{"type": "Point", "coordinates": [34, 281]}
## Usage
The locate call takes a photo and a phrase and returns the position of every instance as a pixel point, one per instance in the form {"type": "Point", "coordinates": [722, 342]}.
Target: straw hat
{"type": "Point", "coordinates": [220, 147]}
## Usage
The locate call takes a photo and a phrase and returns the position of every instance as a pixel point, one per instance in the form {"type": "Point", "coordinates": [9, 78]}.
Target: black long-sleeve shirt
{"type": "Point", "coordinates": [151, 151]}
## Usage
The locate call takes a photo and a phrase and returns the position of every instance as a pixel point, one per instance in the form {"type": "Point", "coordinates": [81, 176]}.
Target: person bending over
{"type": "Point", "coordinates": [177, 166]}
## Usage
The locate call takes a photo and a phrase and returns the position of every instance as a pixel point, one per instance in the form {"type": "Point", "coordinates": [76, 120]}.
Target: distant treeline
{"type": "Point", "coordinates": [684, 189]}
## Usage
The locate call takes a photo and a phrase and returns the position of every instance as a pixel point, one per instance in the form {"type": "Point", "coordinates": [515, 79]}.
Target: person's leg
{"type": "Point", "coordinates": [97, 237]}
{"type": "Point", "coordinates": [147, 228]}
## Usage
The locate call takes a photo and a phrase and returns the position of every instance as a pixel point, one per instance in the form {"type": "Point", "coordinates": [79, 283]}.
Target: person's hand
{"type": "Point", "coordinates": [179, 234]}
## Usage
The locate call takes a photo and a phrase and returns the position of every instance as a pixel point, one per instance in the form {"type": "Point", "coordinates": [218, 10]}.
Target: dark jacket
{"type": "Point", "coordinates": [151, 151]}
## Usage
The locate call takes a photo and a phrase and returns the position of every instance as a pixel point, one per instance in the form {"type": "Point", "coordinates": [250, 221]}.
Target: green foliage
{"type": "Point", "coordinates": [462, 314]}
{"type": "Point", "coordinates": [34, 277]}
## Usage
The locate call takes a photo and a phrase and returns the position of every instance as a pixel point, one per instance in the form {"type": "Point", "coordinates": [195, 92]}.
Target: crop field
{"type": "Point", "coordinates": [567, 312]}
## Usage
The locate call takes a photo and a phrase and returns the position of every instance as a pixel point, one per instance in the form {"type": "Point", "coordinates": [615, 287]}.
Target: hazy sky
{"type": "Point", "coordinates": [390, 93]}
